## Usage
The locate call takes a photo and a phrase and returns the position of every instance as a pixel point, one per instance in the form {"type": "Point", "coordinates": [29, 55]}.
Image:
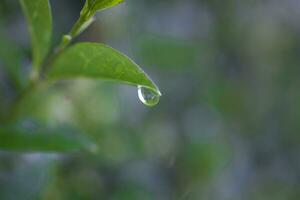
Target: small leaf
{"type": "Point", "coordinates": [91, 60]}
{"type": "Point", "coordinates": [39, 17]}
{"type": "Point", "coordinates": [87, 14]}
{"type": "Point", "coordinates": [39, 140]}
{"type": "Point", "coordinates": [97, 5]}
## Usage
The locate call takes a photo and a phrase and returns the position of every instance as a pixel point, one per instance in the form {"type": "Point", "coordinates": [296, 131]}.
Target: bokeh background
{"type": "Point", "coordinates": [227, 126]}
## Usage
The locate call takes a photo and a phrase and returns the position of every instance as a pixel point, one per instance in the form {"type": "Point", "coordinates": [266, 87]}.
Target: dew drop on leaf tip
{"type": "Point", "coordinates": [148, 96]}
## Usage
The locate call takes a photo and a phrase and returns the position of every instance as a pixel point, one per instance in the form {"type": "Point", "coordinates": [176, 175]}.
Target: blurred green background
{"type": "Point", "coordinates": [227, 126]}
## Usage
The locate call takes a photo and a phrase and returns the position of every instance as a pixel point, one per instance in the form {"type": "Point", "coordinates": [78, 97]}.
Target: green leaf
{"type": "Point", "coordinates": [97, 5]}
{"type": "Point", "coordinates": [39, 140]}
{"type": "Point", "coordinates": [39, 17]}
{"type": "Point", "coordinates": [91, 60]}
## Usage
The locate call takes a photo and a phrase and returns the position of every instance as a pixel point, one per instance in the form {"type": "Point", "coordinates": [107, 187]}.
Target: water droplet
{"type": "Point", "coordinates": [148, 96]}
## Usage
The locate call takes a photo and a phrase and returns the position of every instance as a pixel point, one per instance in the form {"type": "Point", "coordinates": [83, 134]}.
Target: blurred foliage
{"type": "Point", "coordinates": [227, 126]}
{"type": "Point", "coordinates": [157, 51]}
{"type": "Point", "coordinates": [29, 138]}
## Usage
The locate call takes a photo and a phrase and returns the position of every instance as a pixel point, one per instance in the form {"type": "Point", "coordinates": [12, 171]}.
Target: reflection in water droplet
{"type": "Point", "coordinates": [148, 96]}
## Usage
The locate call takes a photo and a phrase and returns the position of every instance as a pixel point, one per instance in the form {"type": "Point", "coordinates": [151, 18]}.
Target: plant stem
{"type": "Point", "coordinates": [66, 40]}
{"type": "Point", "coordinates": [36, 77]}
{"type": "Point", "coordinates": [78, 25]}
{"type": "Point", "coordinates": [16, 107]}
